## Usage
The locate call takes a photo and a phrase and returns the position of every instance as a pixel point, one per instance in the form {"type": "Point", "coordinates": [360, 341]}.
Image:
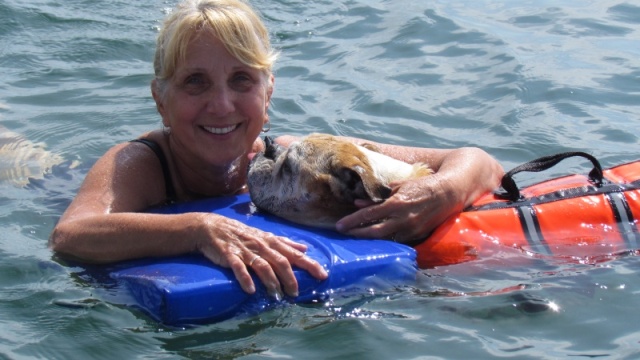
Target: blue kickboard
{"type": "Point", "coordinates": [190, 289]}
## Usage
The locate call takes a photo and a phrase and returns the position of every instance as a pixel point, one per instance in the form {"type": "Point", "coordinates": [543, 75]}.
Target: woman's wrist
{"type": "Point", "coordinates": [203, 226]}
{"type": "Point", "coordinates": [470, 173]}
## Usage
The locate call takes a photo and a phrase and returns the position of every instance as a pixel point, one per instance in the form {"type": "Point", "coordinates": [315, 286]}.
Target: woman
{"type": "Point", "coordinates": [212, 89]}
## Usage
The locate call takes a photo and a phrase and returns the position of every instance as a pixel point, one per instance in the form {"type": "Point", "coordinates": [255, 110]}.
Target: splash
{"type": "Point", "coordinates": [22, 159]}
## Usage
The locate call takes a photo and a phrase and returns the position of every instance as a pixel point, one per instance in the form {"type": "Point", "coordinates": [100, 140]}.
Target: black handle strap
{"type": "Point", "coordinates": [511, 191]}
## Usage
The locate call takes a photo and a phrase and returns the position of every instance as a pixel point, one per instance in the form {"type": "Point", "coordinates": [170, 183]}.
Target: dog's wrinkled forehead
{"type": "Point", "coordinates": [302, 152]}
{"type": "Point", "coordinates": [275, 151]}
{"type": "Point", "coordinates": [315, 146]}
{"type": "Point", "coordinates": [301, 161]}
{"type": "Point", "coordinates": [297, 149]}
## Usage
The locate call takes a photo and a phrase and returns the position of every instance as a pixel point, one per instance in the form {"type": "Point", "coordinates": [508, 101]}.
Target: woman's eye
{"type": "Point", "coordinates": [196, 79]}
{"type": "Point", "coordinates": [241, 82]}
{"type": "Point", "coordinates": [195, 84]}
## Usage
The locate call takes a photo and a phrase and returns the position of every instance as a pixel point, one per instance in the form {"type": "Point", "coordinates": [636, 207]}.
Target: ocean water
{"type": "Point", "coordinates": [518, 79]}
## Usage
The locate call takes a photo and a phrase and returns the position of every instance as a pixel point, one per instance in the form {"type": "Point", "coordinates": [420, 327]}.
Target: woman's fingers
{"type": "Point", "coordinates": [387, 228]}
{"type": "Point", "coordinates": [364, 222]}
{"type": "Point", "coordinates": [280, 255]}
{"type": "Point", "coordinates": [296, 245]}
{"type": "Point", "coordinates": [271, 282]}
{"type": "Point", "coordinates": [295, 256]}
{"type": "Point", "coordinates": [278, 264]}
{"type": "Point", "coordinates": [239, 268]}
{"type": "Point", "coordinates": [240, 261]}
{"type": "Point", "coordinates": [414, 209]}
{"type": "Point", "coordinates": [313, 267]}
{"type": "Point", "coordinates": [270, 257]}
{"type": "Point", "coordinates": [390, 221]}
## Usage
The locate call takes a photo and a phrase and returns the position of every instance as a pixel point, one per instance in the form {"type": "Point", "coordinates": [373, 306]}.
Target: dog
{"type": "Point", "coordinates": [316, 180]}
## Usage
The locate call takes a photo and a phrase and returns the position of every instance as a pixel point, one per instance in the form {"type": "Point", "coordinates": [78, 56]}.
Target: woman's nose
{"type": "Point", "coordinates": [221, 101]}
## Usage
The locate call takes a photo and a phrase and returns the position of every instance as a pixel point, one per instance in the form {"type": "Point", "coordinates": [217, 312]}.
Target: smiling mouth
{"type": "Point", "coordinates": [220, 130]}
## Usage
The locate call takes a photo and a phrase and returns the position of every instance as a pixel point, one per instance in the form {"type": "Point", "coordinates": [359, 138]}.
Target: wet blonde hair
{"type": "Point", "coordinates": [233, 22]}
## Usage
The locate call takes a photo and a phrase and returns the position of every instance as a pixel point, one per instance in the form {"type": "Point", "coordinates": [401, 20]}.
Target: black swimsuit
{"type": "Point", "coordinates": [171, 191]}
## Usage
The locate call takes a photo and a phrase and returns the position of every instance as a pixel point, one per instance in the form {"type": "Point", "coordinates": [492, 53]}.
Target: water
{"type": "Point", "coordinates": [519, 79]}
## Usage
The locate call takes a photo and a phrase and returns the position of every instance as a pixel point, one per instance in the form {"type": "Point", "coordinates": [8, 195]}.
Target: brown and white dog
{"type": "Point", "coordinates": [316, 180]}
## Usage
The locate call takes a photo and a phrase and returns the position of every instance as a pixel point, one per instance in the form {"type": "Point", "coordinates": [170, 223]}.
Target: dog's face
{"type": "Point", "coordinates": [314, 181]}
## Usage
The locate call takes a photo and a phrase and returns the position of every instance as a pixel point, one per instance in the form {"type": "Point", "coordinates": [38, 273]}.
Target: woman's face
{"type": "Point", "coordinates": [215, 105]}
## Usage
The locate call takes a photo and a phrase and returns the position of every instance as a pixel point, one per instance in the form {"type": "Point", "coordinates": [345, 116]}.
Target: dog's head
{"type": "Point", "coordinates": [314, 181]}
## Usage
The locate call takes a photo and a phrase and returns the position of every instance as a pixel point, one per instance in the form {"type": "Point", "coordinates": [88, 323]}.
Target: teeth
{"type": "Point", "coordinates": [220, 131]}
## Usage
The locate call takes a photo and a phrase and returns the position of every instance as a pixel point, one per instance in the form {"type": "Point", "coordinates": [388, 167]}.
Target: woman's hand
{"type": "Point", "coordinates": [232, 244]}
{"type": "Point", "coordinates": [412, 212]}
{"type": "Point", "coordinates": [417, 206]}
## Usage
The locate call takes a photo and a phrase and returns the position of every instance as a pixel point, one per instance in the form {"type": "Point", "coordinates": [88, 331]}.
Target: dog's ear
{"type": "Point", "coordinates": [355, 183]}
{"type": "Point", "coordinates": [371, 147]}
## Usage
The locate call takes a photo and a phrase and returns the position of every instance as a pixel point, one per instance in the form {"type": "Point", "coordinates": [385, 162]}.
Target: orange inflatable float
{"type": "Point", "coordinates": [575, 216]}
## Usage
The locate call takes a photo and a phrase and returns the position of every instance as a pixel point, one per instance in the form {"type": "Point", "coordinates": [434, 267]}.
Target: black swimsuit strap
{"type": "Point", "coordinates": [171, 192]}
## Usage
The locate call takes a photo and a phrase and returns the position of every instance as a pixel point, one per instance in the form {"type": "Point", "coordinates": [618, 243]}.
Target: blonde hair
{"type": "Point", "coordinates": [233, 22]}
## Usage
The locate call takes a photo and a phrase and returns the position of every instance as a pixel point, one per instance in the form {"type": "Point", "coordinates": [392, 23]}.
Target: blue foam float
{"type": "Point", "coordinates": [190, 289]}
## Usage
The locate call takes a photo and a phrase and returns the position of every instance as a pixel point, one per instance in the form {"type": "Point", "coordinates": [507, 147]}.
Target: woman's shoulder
{"type": "Point", "coordinates": [129, 168]}
{"type": "Point", "coordinates": [156, 136]}
{"type": "Point", "coordinates": [132, 152]}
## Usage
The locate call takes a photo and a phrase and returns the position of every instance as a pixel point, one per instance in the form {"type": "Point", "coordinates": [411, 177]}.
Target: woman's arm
{"type": "Point", "coordinates": [416, 207]}
{"type": "Point", "coordinates": [103, 224]}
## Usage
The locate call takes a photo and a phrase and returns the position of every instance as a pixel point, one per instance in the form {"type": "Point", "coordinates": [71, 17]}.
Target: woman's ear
{"type": "Point", "coordinates": [157, 97]}
{"type": "Point", "coordinates": [270, 84]}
